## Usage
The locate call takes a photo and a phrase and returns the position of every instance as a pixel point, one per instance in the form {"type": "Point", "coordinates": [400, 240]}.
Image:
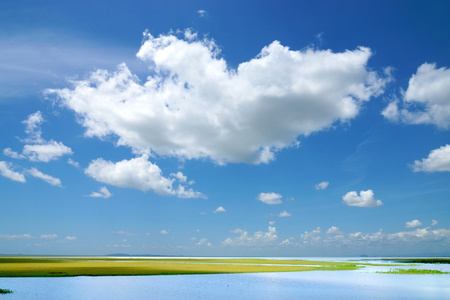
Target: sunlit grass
{"type": "Point", "coordinates": [58, 267]}
{"type": "Point", "coordinates": [413, 271]}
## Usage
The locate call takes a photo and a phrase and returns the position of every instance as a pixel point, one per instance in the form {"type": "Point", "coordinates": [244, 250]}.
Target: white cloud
{"type": "Point", "coordinates": [270, 198]}
{"type": "Point", "coordinates": [437, 161]}
{"type": "Point", "coordinates": [6, 171]}
{"type": "Point", "coordinates": [271, 223]}
{"type": "Point", "coordinates": [46, 152]}
{"type": "Point", "coordinates": [47, 178]}
{"type": "Point", "coordinates": [123, 232]}
{"type": "Point", "coordinates": [37, 148]}
{"type": "Point", "coordinates": [284, 214]}
{"type": "Point", "coordinates": [202, 12]}
{"type": "Point", "coordinates": [434, 222]}
{"type": "Point", "coordinates": [204, 242]}
{"type": "Point", "coordinates": [33, 127]}
{"type": "Point", "coordinates": [413, 224]}
{"type": "Point", "coordinates": [16, 236]}
{"type": "Point", "coordinates": [365, 199]}
{"type": "Point", "coordinates": [103, 193]}
{"type": "Point", "coordinates": [71, 238]}
{"type": "Point", "coordinates": [427, 99]}
{"type": "Point", "coordinates": [259, 238]}
{"type": "Point", "coordinates": [194, 106]}
{"type": "Point", "coordinates": [138, 173]}
{"type": "Point", "coordinates": [73, 163]}
{"type": "Point", "coordinates": [334, 230]}
{"type": "Point", "coordinates": [48, 236]}
{"type": "Point", "coordinates": [220, 209]}
{"type": "Point", "coordinates": [13, 154]}
{"type": "Point", "coordinates": [182, 178]}
{"type": "Point", "coordinates": [321, 186]}
{"type": "Point", "coordinates": [164, 231]}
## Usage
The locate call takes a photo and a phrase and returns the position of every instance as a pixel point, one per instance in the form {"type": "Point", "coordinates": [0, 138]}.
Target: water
{"type": "Point", "coordinates": [360, 284]}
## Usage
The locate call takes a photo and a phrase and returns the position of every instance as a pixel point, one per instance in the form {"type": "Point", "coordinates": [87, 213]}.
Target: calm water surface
{"type": "Point", "coordinates": [362, 284]}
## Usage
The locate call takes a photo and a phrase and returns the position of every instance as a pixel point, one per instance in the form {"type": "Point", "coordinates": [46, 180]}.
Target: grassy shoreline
{"type": "Point", "coordinates": [107, 266]}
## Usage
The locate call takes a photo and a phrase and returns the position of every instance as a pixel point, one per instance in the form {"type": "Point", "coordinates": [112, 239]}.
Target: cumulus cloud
{"type": "Point", "coordinates": [284, 214]}
{"type": "Point", "coordinates": [365, 199]}
{"type": "Point", "coordinates": [138, 173]}
{"type": "Point", "coordinates": [437, 161]}
{"type": "Point", "coordinates": [270, 198]}
{"type": "Point", "coordinates": [6, 170]}
{"type": "Point", "coordinates": [102, 193]}
{"type": "Point", "coordinates": [220, 209]}
{"type": "Point", "coordinates": [194, 106]}
{"type": "Point", "coordinates": [334, 230]}
{"type": "Point", "coordinates": [204, 242]}
{"type": "Point", "coordinates": [321, 186]}
{"type": "Point", "coordinates": [259, 238]}
{"type": "Point", "coordinates": [427, 99]}
{"type": "Point", "coordinates": [37, 148]}
{"type": "Point", "coordinates": [47, 178]}
{"type": "Point", "coordinates": [434, 222]}
{"type": "Point", "coordinates": [413, 224]}
{"type": "Point", "coordinates": [164, 231]}
{"type": "Point", "coordinates": [202, 13]}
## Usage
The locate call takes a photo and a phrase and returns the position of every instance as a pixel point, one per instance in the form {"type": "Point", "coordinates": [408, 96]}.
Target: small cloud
{"type": "Point", "coordinates": [148, 233]}
{"type": "Point", "coordinates": [237, 230]}
{"type": "Point", "coordinates": [13, 154]}
{"type": "Point", "coordinates": [181, 178]}
{"type": "Point", "coordinates": [284, 214]}
{"type": "Point", "coordinates": [16, 236]}
{"type": "Point", "coordinates": [270, 198]}
{"type": "Point", "coordinates": [164, 231]}
{"type": "Point", "coordinates": [271, 223]}
{"type": "Point", "coordinates": [73, 163]}
{"type": "Point", "coordinates": [220, 209]}
{"type": "Point", "coordinates": [7, 171]}
{"type": "Point", "coordinates": [321, 186]}
{"type": "Point", "coordinates": [413, 224]}
{"type": "Point", "coordinates": [103, 193]}
{"type": "Point", "coordinates": [437, 161]}
{"type": "Point", "coordinates": [122, 232]}
{"type": "Point", "coordinates": [334, 230]}
{"type": "Point", "coordinates": [71, 238]}
{"type": "Point", "coordinates": [48, 236]}
{"type": "Point", "coordinates": [434, 223]}
{"type": "Point", "coordinates": [365, 199]}
{"type": "Point", "coordinates": [204, 242]}
{"type": "Point", "coordinates": [202, 13]}
{"type": "Point", "coordinates": [47, 178]}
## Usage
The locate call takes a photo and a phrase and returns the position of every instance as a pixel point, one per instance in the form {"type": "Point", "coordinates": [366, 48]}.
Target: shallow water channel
{"type": "Point", "coordinates": [359, 284]}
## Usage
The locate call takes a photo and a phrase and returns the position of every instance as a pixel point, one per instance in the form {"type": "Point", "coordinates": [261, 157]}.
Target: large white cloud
{"type": "Point", "coordinates": [427, 99]}
{"type": "Point", "coordinates": [193, 106]}
{"type": "Point", "coordinates": [6, 170]}
{"type": "Point", "coordinates": [138, 173]}
{"type": "Point", "coordinates": [437, 160]}
{"type": "Point", "coordinates": [364, 199]}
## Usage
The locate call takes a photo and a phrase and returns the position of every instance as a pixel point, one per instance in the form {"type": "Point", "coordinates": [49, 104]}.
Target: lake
{"type": "Point", "coordinates": [360, 284]}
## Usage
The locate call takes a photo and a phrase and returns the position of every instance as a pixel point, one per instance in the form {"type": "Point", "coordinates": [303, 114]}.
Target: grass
{"type": "Point", "coordinates": [413, 271]}
{"type": "Point", "coordinates": [59, 267]}
{"type": "Point", "coordinates": [422, 260]}
{"type": "Point", "coordinates": [5, 291]}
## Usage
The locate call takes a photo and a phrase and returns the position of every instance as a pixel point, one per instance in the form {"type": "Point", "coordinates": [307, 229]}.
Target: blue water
{"type": "Point", "coordinates": [359, 284]}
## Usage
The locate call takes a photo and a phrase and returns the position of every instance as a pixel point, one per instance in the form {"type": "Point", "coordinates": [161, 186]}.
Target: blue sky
{"type": "Point", "coordinates": [288, 128]}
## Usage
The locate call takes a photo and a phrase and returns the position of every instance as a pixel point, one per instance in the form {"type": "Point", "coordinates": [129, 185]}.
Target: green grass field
{"type": "Point", "coordinates": [76, 266]}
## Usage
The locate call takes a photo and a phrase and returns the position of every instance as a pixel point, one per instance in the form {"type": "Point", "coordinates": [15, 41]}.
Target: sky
{"type": "Point", "coordinates": [225, 128]}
